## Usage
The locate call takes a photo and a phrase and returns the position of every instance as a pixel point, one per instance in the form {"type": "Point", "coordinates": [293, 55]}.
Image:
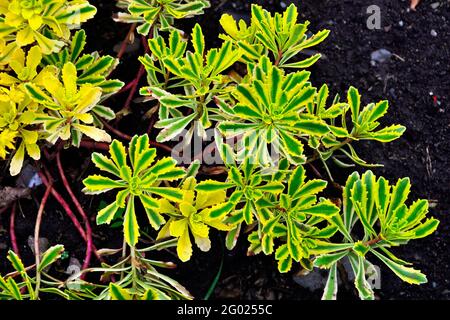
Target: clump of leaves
{"type": "Point", "coordinates": [364, 125]}
{"type": "Point", "coordinates": [16, 118]}
{"type": "Point", "coordinates": [195, 214]}
{"type": "Point", "coordinates": [138, 176]}
{"type": "Point", "coordinates": [270, 113]}
{"type": "Point", "coordinates": [67, 108]}
{"type": "Point", "coordinates": [158, 15]}
{"type": "Point", "coordinates": [45, 22]}
{"type": "Point", "coordinates": [199, 73]}
{"type": "Point", "coordinates": [92, 68]}
{"type": "Point", "coordinates": [26, 288]}
{"type": "Point", "coordinates": [381, 210]}
{"type": "Point", "coordinates": [279, 36]}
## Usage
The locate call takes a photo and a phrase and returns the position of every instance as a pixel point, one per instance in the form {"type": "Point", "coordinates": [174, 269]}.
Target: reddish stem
{"type": "Point", "coordinates": [37, 226]}
{"type": "Point", "coordinates": [134, 88]}
{"type": "Point", "coordinates": [103, 146]}
{"type": "Point", "coordinates": [80, 210]}
{"type": "Point", "coordinates": [126, 41]}
{"type": "Point", "coordinates": [12, 232]}
{"type": "Point", "coordinates": [89, 144]}
{"type": "Point", "coordinates": [116, 132]}
{"type": "Point", "coordinates": [66, 207]}
{"type": "Point", "coordinates": [127, 87]}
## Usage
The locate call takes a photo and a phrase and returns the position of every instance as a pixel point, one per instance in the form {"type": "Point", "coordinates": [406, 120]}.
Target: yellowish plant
{"type": "Point", "coordinates": [68, 107]}
{"type": "Point", "coordinates": [45, 22]}
{"type": "Point", "coordinates": [195, 215]}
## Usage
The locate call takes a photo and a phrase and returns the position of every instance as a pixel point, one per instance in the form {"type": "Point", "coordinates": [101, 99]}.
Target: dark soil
{"type": "Point", "coordinates": [416, 81]}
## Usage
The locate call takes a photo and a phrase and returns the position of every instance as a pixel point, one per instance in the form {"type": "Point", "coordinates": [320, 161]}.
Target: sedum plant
{"type": "Point", "coordinates": [380, 209]}
{"type": "Point", "coordinates": [53, 97]}
{"type": "Point", "coordinates": [199, 73]}
{"type": "Point", "coordinates": [67, 107]}
{"type": "Point", "coordinates": [158, 15]}
{"type": "Point", "coordinates": [46, 23]}
{"type": "Point", "coordinates": [28, 287]}
{"type": "Point", "coordinates": [278, 36]}
{"type": "Point", "coordinates": [138, 176]}
{"type": "Point", "coordinates": [195, 214]}
{"type": "Point", "coordinates": [56, 93]}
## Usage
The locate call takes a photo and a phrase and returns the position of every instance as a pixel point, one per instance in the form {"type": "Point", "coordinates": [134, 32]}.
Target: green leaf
{"type": "Point", "coordinates": [118, 153]}
{"type": "Point", "coordinates": [97, 183]}
{"type": "Point", "coordinates": [107, 214]}
{"type": "Point", "coordinates": [408, 275]}
{"type": "Point", "coordinates": [212, 186]}
{"type": "Point", "coordinates": [130, 225]}
{"type": "Point", "coordinates": [364, 290]}
{"type": "Point", "coordinates": [354, 100]}
{"type": "Point", "coordinates": [330, 291]}
{"type": "Point", "coordinates": [118, 293]}
{"type": "Point", "coordinates": [328, 260]}
{"type": "Point", "coordinates": [171, 194]}
{"type": "Point", "coordinates": [50, 256]}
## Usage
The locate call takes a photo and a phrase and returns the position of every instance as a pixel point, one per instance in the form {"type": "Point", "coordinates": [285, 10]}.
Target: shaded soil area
{"type": "Point", "coordinates": [416, 81]}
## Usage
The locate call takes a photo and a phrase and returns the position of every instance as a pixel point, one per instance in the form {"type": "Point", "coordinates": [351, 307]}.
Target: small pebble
{"type": "Point", "coordinates": [401, 23]}
{"type": "Point", "coordinates": [380, 55]}
{"type": "Point", "coordinates": [433, 33]}
{"type": "Point", "coordinates": [283, 5]}
{"type": "Point", "coordinates": [435, 5]}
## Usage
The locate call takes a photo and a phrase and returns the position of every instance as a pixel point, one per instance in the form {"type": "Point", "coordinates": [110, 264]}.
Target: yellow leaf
{"type": "Point", "coordinates": [229, 25]}
{"type": "Point", "coordinates": [186, 209]}
{"type": "Point", "coordinates": [90, 96]}
{"type": "Point", "coordinates": [166, 207]}
{"type": "Point", "coordinates": [96, 134]}
{"type": "Point", "coordinates": [178, 227]}
{"type": "Point", "coordinates": [208, 199]}
{"type": "Point", "coordinates": [184, 246]}
{"type": "Point", "coordinates": [25, 37]}
{"type": "Point", "coordinates": [69, 78]}
{"type": "Point", "coordinates": [34, 58]}
{"type": "Point", "coordinates": [17, 161]}
{"type": "Point", "coordinates": [35, 22]}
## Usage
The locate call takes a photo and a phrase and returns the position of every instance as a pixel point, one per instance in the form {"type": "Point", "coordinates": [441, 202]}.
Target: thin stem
{"type": "Point", "coordinates": [126, 108]}
{"type": "Point", "coordinates": [80, 210]}
{"type": "Point", "coordinates": [12, 232]}
{"type": "Point", "coordinates": [90, 144]}
{"type": "Point", "coordinates": [126, 41]}
{"type": "Point", "coordinates": [37, 228]}
{"type": "Point", "coordinates": [116, 131]}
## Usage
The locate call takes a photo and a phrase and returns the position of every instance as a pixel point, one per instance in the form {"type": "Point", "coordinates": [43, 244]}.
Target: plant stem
{"type": "Point", "coordinates": [373, 241]}
{"type": "Point", "coordinates": [103, 146]}
{"type": "Point", "coordinates": [126, 41]}
{"type": "Point", "coordinates": [12, 232]}
{"type": "Point", "coordinates": [68, 210]}
{"type": "Point", "coordinates": [90, 144]}
{"type": "Point", "coordinates": [37, 228]}
{"type": "Point", "coordinates": [116, 132]}
{"type": "Point", "coordinates": [80, 210]}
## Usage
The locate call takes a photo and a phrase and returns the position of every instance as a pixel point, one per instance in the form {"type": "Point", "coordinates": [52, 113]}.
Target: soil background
{"type": "Point", "coordinates": [416, 81]}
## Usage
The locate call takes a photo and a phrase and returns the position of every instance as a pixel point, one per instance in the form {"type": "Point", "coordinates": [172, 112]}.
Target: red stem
{"type": "Point", "coordinates": [103, 146]}
{"type": "Point", "coordinates": [126, 41]}
{"type": "Point", "coordinates": [127, 87]}
{"type": "Point", "coordinates": [134, 88]}
{"type": "Point", "coordinates": [69, 211]}
{"type": "Point", "coordinates": [80, 210]}
{"type": "Point", "coordinates": [12, 232]}
{"type": "Point", "coordinates": [37, 227]}
{"type": "Point", "coordinates": [116, 132]}
{"type": "Point", "coordinates": [89, 144]}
